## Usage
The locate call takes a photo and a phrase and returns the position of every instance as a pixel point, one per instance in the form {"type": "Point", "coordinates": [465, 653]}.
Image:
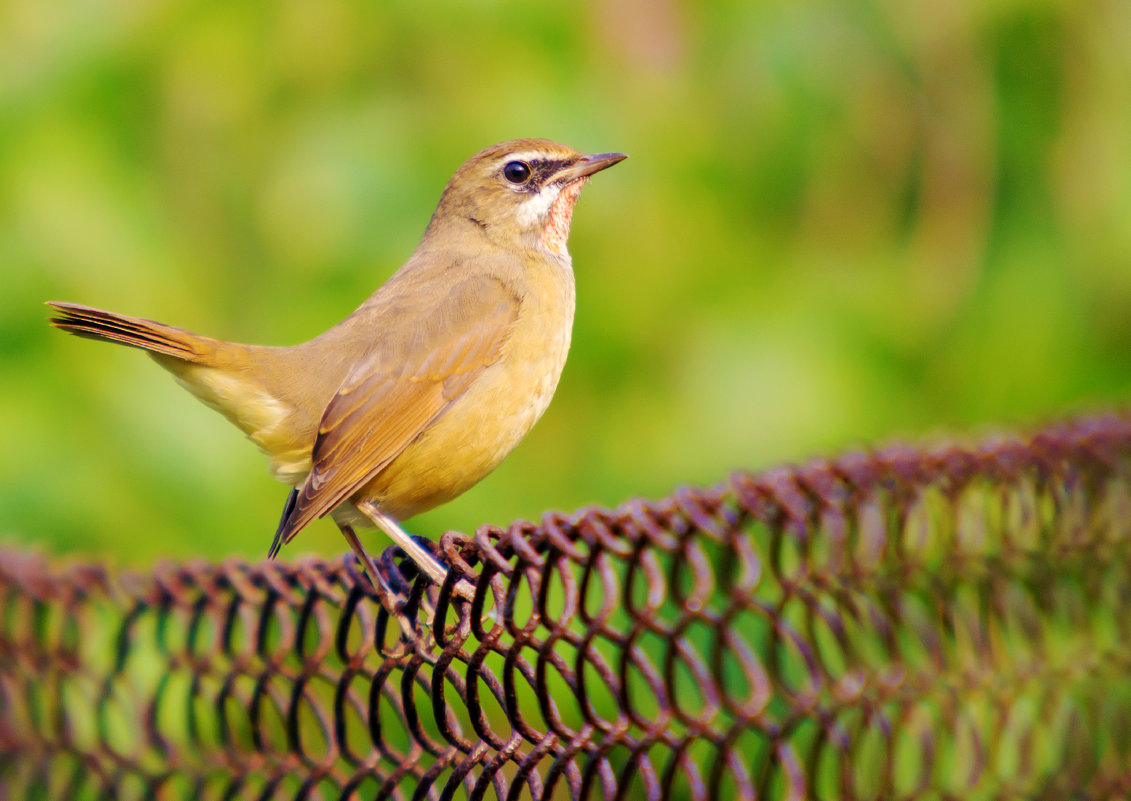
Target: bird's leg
{"type": "Point", "coordinates": [375, 575]}
{"type": "Point", "coordinates": [427, 563]}
{"type": "Point", "coordinates": [424, 560]}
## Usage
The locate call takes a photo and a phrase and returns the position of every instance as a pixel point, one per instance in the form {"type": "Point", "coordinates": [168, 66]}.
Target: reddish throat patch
{"type": "Point", "coordinates": [556, 232]}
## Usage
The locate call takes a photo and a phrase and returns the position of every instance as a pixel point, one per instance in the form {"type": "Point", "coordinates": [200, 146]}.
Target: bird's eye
{"type": "Point", "coordinates": [517, 172]}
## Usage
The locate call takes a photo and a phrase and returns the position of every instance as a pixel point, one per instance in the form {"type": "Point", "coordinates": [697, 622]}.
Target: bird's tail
{"type": "Point", "coordinates": [86, 321]}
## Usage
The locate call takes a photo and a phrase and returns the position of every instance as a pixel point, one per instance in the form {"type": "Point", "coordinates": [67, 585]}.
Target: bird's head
{"type": "Point", "coordinates": [520, 193]}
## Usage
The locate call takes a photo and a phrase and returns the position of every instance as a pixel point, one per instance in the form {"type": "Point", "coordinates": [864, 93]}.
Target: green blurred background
{"type": "Point", "coordinates": [841, 223]}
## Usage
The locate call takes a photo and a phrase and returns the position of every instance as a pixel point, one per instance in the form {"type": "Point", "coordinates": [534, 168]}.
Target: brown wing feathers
{"type": "Point", "coordinates": [382, 407]}
{"type": "Point", "coordinates": [86, 321]}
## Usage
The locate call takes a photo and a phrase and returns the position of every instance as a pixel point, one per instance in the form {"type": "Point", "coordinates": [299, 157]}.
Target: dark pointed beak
{"type": "Point", "coordinates": [587, 165]}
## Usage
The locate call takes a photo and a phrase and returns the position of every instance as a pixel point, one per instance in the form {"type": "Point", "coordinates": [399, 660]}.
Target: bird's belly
{"type": "Point", "coordinates": [477, 431]}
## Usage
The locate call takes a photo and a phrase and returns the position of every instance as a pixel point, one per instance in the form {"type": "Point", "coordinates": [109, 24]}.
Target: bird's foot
{"type": "Point", "coordinates": [418, 549]}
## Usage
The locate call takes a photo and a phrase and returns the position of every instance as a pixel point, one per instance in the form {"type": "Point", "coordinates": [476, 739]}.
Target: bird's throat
{"type": "Point", "coordinates": [556, 232]}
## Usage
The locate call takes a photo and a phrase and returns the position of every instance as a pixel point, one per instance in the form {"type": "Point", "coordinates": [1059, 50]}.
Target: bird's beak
{"type": "Point", "coordinates": [587, 165]}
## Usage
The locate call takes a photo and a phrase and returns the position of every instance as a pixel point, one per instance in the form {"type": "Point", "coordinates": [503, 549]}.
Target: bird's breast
{"type": "Point", "coordinates": [491, 417]}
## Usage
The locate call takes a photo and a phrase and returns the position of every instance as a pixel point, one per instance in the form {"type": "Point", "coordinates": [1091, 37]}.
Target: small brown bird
{"type": "Point", "coordinates": [431, 382]}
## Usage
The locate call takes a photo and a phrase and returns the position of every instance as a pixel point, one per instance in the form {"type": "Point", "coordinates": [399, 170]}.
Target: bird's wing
{"type": "Point", "coordinates": [398, 391]}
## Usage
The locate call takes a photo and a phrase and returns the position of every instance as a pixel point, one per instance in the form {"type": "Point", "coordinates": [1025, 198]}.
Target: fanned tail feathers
{"type": "Point", "coordinates": [86, 321]}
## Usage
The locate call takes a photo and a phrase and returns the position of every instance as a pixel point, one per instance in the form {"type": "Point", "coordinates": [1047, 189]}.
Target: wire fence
{"type": "Point", "coordinates": [951, 622]}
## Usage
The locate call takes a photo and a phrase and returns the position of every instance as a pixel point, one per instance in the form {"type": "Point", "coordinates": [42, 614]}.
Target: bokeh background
{"type": "Point", "coordinates": [841, 223]}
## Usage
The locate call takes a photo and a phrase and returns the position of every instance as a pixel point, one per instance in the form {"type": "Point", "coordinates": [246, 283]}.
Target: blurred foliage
{"type": "Point", "coordinates": [841, 222]}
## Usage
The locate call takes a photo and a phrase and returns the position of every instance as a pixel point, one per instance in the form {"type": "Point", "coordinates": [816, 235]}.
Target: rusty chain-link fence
{"type": "Point", "coordinates": [901, 624]}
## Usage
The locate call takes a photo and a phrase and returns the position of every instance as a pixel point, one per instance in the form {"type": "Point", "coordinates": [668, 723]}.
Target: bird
{"type": "Point", "coordinates": [426, 387]}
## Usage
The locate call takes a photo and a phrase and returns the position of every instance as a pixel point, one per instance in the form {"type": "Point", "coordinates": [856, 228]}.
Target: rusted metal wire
{"type": "Point", "coordinates": [903, 623]}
